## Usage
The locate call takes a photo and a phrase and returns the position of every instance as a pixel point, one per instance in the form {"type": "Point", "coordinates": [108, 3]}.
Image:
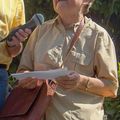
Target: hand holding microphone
{"type": "Point", "coordinates": [22, 32]}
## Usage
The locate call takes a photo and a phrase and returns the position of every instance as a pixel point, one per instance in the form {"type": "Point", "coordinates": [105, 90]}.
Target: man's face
{"type": "Point", "coordinates": [67, 6]}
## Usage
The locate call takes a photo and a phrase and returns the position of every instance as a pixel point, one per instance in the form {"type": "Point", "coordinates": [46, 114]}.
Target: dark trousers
{"type": "Point", "coordinates": [3, 86]}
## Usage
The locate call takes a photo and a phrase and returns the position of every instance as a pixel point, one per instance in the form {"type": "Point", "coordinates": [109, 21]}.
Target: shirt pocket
{"type": "Point", "coordinates": [53, 57]}
{"type": "Point", "coordinates": [80, 58]}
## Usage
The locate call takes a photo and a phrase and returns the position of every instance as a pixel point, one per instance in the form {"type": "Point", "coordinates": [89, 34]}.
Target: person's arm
{"type": "Point", "coordinates": [4, 55]}
{"type": "Point", "coordinates": [106, 88]}
{"type": "Point", "coordinates": [105, 67]}
{"type": "Point", "coordinates": [13, 51]}
{"type": "Point", "coordinates": [15, 46]}
{"type": "Point", "coordinates": [105, 81]}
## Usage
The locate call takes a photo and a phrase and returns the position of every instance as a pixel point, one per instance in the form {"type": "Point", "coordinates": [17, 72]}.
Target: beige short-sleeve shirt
{"type": "Point", "coordinates": [92, 55]}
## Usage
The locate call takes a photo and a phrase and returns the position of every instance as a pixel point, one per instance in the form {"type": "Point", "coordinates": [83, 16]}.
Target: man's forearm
{"type": "Point", "coordinates": [96, 86]}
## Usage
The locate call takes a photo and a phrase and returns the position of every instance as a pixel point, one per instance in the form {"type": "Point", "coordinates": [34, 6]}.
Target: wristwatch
{"type": "Point", "coordinates": [87, 84]}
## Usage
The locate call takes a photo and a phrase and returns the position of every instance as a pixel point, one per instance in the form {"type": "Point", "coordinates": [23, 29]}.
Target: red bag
{"type": "Point", "coordinates": [25, 104]}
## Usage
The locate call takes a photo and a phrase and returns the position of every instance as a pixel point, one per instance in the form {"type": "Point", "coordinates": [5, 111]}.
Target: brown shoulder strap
{"type": "Point", "coordinates": [74, 40]}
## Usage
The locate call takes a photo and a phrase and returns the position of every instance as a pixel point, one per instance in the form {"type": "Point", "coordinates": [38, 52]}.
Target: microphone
{"type": "Point", "coordinates": [36, 20]}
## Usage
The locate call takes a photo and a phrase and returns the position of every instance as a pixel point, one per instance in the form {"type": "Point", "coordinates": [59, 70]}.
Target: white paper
{"type": "Point", "coordinates": [50, 74]}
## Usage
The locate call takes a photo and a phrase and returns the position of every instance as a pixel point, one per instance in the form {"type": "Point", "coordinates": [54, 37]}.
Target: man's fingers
{"type": "Point", "coordinates": [20, 37]}
{"type": "Point", "coordinates": [24, 34]}
{"type": "Point", "coordinates": [30, 83]}
{"type": "Point", "coordinates": [28, 31]}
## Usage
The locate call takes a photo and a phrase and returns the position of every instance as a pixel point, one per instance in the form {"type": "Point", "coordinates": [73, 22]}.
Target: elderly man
{"type": "Point", "coordinates": [80, 94]}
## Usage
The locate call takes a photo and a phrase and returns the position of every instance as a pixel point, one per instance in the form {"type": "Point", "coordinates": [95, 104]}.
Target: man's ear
{"type": "Point", "coordinates": [86, 4]}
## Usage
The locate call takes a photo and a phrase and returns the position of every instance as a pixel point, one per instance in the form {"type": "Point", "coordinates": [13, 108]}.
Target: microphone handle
{"type": "Point", "coordinates": [30, 25]}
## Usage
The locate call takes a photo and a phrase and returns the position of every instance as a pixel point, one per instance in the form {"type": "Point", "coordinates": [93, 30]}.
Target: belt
{"type": "Point", "coordinates": [3, 66]}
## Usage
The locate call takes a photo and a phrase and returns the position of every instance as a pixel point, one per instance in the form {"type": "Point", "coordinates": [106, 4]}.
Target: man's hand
{"type": "Point", "coordinates": [70, 81]}
{"type": "Point", "coordinates": [19, 37]}
{"type": "Point", "coordinates": [14, 46]}
{"type": "Point", "coordinates": [30, 83]}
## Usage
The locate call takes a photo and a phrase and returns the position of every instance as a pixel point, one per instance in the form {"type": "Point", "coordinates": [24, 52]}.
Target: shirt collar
{"type": "Point", "coordinates": [58, 23]}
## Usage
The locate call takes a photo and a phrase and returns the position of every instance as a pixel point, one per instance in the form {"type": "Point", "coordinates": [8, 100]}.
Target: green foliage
{"type": "Point", "coordinates": [107, 7]}
{"type": "Point", "coordinates": [39, 6]}
{"type": "Point", "coordinates": [12, 81]}
{"type": "Point", "coordinates": [109, 12]}
{"type": "Point", "coordinates": [112, 108]}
